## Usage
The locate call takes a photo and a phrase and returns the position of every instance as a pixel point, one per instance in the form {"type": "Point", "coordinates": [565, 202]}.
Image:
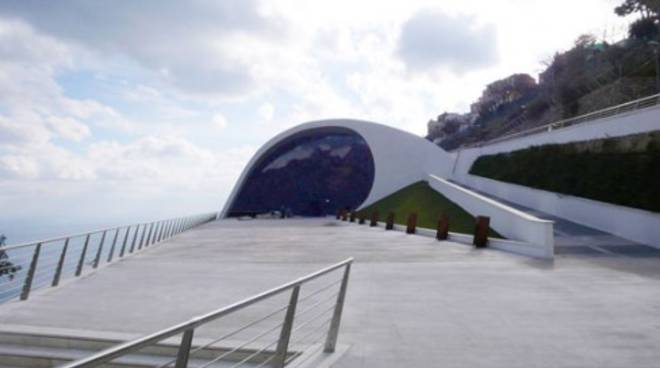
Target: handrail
{"type": "Point", "coordinates": [638, 104]}
{"type": "Point", "coordinates": [187, 327]}
{"type": "Point", "coordinates": [36, 267]}
{"type": "Point", "coordinates": [76, 235]}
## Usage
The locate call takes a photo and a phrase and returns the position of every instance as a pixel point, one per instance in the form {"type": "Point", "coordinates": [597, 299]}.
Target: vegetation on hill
{"type": "Point", "coordinates": [428, 204]}
{"type": "Point", "coordinates": [590, 76]}
{"type": "Point", "coordinates": [623, 171]}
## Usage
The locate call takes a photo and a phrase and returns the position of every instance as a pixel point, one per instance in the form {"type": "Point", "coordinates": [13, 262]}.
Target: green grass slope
{"type": "Point", "coordinates": [428, 204]}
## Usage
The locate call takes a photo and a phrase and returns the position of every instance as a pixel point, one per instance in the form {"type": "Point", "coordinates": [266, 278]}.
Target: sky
{"type": "Point", "coordinates": [120, 111]}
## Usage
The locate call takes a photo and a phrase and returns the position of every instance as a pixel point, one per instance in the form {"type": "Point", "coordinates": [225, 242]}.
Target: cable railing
{"type": "Point", "coordinates": [45, 263]}
{"type": "Point", "coordinates": [639, 104]}
{"type": "Point", "coordinates": [284, 326]}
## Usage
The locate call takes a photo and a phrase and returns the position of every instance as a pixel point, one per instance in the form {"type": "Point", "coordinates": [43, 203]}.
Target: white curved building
{"type": "Point", "coordinates": [320, 166]}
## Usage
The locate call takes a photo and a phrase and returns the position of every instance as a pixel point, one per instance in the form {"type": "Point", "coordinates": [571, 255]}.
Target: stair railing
{"type": "Point", "coordinates": [286, 334]}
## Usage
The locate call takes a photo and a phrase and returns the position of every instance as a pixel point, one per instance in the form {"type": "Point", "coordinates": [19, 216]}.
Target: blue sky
{"type": "Point", "coordinates": [131, 110]}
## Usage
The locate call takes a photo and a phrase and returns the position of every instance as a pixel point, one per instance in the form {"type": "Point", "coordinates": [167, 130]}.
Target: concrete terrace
{"type": "Point", "coordinates": [412, 301]}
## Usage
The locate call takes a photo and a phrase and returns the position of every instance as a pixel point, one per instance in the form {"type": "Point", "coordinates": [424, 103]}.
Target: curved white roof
{"type": "Point", "coordinates": [400, 158]}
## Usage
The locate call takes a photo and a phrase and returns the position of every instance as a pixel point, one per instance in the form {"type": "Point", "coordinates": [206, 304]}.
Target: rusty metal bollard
{"type": "Point", "coordinates": [481, 232]}
{"type": "Point", "coordinates": [443, 228]}
{"type": "Point", "coordinates": [352, 217]}
{"type": "Point", "coordinates": [390, 221]}
{"type": "Point", "coordinates": [374, 219]}
{"type": "Point", "coordinates": [412, 223]}
{"type": "Point", "coordinates": [361, 219]}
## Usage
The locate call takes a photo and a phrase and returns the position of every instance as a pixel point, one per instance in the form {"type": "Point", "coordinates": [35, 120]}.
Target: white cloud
{"type": "Point", "coordinates": [267, 111]}
{"type": "Point", "coordinates": [187, 44]}
{"type": "Point", "coordinates": [68, 128]}
{"type": "Point", "coordinates": [219, 121]}
{"type": "Point", "coordinates": [431, 39]}
{"type": "Point", "coordinates": [12, 166]}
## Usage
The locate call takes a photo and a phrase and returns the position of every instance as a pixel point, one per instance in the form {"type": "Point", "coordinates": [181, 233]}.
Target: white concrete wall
{"type": "Point", "coordinates": [626, 222]}
{"type": "Point", "coordinates": [640, 121]}
{"type": "Point", "coordinates": [400, 158]}
{"type": "Point", "coordinates": [629, 223]}
{"type": "Point", "coordinates": [510, 222]}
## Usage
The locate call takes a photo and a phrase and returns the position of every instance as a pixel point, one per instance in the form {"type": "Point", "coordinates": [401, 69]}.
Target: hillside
{"type": "Point", "coordinates": [590, 76]}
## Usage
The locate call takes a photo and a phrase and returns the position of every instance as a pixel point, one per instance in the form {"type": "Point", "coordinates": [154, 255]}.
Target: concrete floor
{"type": "Point", "coordinates": [412, 301]}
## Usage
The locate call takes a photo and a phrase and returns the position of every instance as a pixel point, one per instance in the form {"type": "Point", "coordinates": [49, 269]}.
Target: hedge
{"type": "Point", "coordinates": [623, 171]}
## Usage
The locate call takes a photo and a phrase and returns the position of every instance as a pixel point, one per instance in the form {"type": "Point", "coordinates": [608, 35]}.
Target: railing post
{"type": "Point", "coordinates": [81, 261]}
{"type": "Point", "coordinates": [411, 227]}
{"type": "Point", "coordinates": [135, 236]}
{"type": "Point", "coordinates": [154, 234]}
{"type": "Point", "coordinates": [125, 242]}
{"type": "Point", "coordinates": [97, 259]}
{"type": "Point", "coordinates": [443, 228]}
{"type": "Point", "coordinates": [184, 349]}
{"type": "Point", "coordinates": [166, 229]}
{"type": "Point", "coordinates": [285, 333]}
{"type": "Point", "coordinates": [112, 248]}
{"type": "Point", "coordinates": [333, 330]}
{"type": "Point", "coordinates": [151, 227]}
{"type": "Point", "coordinates": [170, 227]}
{"type": "Point", "coordinates": [390, 221]}
{"type": "Point", "coordinates": [30, 275]}
{"type": "Point", "coordinates": [60, 263]}
{"type": "Point", "coordinates": [374, 219]}
{"type": "Point", "coordinates": [160, 232]}
{"type": "Point", "coordinates": [175, 223]}
{"type": "Point", "coordinates": [158, 228]}
{"type": "Point", "coordinates": [481, 232]}
{"type": "Point", "coordinates": [144, 230]}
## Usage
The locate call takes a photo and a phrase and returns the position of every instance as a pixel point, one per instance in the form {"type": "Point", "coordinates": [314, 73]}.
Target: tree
{"type": "Point", "coordinates": [585, 41]}
{"type": "Point", "coordinates": [643, 29]}
{"type": "Point", "coordinates": [648, 8]}
{"type": "Point", "coordinates": [6, 267]}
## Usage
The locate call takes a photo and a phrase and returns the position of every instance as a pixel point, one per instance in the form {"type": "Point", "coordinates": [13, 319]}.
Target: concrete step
{"type": "Point", "coordinates": [25, 346]}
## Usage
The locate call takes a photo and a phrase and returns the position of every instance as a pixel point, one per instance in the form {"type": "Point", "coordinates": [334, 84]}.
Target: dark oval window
{"type": "Point", "coordinates": [312, 173]}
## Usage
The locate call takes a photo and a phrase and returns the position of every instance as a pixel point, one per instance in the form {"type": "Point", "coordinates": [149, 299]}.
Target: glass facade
{"type": "Point", "coordinates": [310, 174]}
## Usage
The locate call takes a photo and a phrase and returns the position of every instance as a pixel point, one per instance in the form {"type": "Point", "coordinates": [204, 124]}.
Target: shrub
{"type": "Point", "coordinates": [611, 173]}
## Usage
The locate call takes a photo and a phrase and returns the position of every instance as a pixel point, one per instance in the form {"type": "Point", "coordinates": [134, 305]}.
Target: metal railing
{"type": "Point", "coordinates": [639, 104]}
{"type": "Point", "coordinates": [46, 263]}
{"type": "Point", "coordinates": [277, 351]}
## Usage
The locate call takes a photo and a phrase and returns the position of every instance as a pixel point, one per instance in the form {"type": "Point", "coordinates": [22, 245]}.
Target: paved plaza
{"type": "Point", "coordinates": [412, 301]}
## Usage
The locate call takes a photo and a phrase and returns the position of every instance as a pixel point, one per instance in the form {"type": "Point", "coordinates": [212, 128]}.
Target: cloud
{"type": "Point", "coordinates": [185, 43]}
{"type": "Point", "coordinates": [219, 121]}
{"type": "Point", "coordinates": [266, 111]}
{"type": "Point", "coordinates": [68, 128]}
{"type": "Point", "coordinates": [431, 39]}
